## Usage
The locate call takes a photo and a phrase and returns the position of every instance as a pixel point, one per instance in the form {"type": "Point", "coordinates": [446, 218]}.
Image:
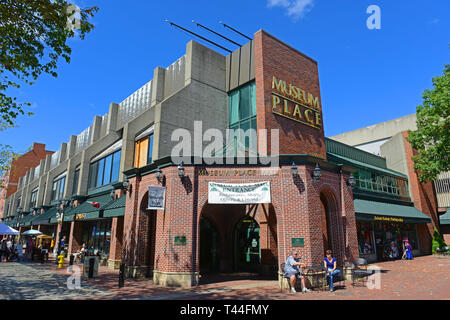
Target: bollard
{"type": "Point", "coordinates": [121, 275]}
{"type": "Point", "coordinates": [91, 267]}
{"type": "Point", "coordinates": [72, 257]}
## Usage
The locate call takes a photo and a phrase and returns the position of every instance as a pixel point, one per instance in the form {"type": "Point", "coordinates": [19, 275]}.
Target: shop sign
{"type": "Point", "coordinates": [298, 242]}
{"type": "Point", "coordinates": [390, 219]}
{"type": "Point", "coordinates": [180, 241]}
{"type": "Point", "coordinates": [245, 193]}
{"type": "Point", "coordinates": [80, 216]}
{"type": "Point", "coordinates": [294, 103]}
{"type": "Point", "coordinates": [156, 198]}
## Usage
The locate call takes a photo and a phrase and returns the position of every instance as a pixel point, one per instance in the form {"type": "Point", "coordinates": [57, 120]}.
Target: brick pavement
{"type": "Point", "coordinates": [422, 278]}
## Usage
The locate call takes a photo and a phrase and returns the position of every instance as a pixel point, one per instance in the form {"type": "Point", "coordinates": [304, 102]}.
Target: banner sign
{"type": "Point", "coordinates": [156, 198]}
{"type": "Point", "coordinates": [245, 193]}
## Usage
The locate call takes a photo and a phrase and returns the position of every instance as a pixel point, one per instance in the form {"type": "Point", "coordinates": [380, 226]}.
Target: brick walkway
{"type": "Point", "coordinates": [422, 278]}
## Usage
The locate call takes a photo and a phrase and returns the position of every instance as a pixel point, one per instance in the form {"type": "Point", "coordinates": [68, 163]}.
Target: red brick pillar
{"type": "Point", "coordinates": [75, 236]}
{"type": "Point", "coordinates": [177, 265]}
{"type": "Point", "coordinates": [115, 250]}
{"type": "Point", "coordinates": [348, 219]}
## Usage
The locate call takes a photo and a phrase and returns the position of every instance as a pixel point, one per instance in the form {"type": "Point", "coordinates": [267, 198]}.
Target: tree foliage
{"type": "Point", "coordinates": [33, 37]}
{"type": "Point", "coordinates": [432, 138]}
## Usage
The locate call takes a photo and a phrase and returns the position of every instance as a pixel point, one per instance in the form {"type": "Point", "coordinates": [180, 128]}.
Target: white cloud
{"type": "Point", "coordinates": [295, 8]}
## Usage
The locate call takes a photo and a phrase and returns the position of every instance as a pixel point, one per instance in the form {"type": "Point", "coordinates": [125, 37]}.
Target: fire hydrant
{"type": "Point", "coordinates": [60, 261]}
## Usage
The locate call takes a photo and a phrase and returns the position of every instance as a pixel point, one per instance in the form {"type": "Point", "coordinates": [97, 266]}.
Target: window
{"type": "Point", "coordinates": [76, 177]}
{"type": "Point", "coordinates": [104, 171]}
{"type": "Point", "coordinates": [143, 151]}
{"type": "Point", "coordinates": [58, 188]}
{"type": "Point", "coordinates": [33, 198]}
{"type": "Point", "coordinates": [242, 115]}
{"type": "Point", "coordinates": [381, 183]}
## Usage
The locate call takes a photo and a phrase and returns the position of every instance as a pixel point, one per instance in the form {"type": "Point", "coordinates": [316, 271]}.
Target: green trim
{"type": "Point", "coordinates": [117, 212]}
{"type": "Point", "coordinates": [362, 165]}
{"type": "Point", "coordinates": [101, 190]}
{"type": "Point", "coordinates": [116, 208]}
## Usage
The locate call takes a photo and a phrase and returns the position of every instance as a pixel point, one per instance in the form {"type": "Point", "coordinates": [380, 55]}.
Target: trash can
{"type": "Point", "coordinates": [90, 267]}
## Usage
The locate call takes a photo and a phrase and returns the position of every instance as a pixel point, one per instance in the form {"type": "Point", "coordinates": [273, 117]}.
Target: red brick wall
{"type": "Point", "coordinates": [29, 160]}
{"type": "Point", "coordinates": [296, 213]}
{"type": "Point", "coordinates": [424, 197]}
{"type": "Point", "coordinates": [274, 58]}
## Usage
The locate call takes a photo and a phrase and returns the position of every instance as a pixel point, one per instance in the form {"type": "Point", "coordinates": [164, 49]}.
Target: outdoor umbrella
{"type": "Point", "coordinates": [31, 233]}
{"type": "Point", "coordinates": [7, 230]}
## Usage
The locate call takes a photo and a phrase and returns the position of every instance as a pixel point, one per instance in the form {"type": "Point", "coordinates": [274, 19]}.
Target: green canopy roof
{"type": "Point", "coordinates": [44, 218]}
{"type": "Point", "coordinates": [115, 208]}
{"type": "Point", "coordinates": [445, 218]}
{"type": "Point", "coordinates": [363, 165]}
{"type": "Point", "coordinates": [26, 221]}
{"type": "Point", "coordinates": [382, 211]}
{"type": "Point", "coordinates": [86, 210]}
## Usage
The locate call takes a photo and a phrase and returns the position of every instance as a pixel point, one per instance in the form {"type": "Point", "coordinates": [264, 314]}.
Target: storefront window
{"type": "Point", "coordinates": [365, 238]}
{"type": "Point", "coordinates": [97, 235]}
{"type": "Point", "coordinates": [388, 233]}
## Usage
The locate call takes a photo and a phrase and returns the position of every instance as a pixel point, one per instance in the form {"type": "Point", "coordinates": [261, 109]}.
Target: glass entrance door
{"type": "Point", "coordinates": [247, 250]}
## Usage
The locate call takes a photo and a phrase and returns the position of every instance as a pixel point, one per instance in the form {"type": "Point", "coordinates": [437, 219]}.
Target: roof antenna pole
{"type": "Point", "coordinates": [227, 26]}
{"type": "Point", "coordinates": [199, 25]}
{"type": "Point", "coordinates": [203, 38]}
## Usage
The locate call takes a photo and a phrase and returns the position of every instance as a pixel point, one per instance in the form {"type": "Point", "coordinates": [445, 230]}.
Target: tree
{"type": "Point", "coordinates": [33, 36]}
{"type": "Point", "coordinates": [432, 138]}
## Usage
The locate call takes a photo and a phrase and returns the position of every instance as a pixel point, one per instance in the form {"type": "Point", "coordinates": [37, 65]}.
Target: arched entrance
{"type": "Point", "coordinates": [209, 246]}
{"type": "Point", "coordinates": [238, 238]}
{"type": "Point", "coordinates": [329, 215]}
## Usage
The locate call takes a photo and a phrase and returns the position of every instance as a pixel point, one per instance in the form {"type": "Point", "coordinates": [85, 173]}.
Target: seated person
{"type": "Point", "coordinates": [330, 265]}
{"type": "Point", "coordinates": [292, 271]}
{"type": "Point", "coordinates": [80, 253]}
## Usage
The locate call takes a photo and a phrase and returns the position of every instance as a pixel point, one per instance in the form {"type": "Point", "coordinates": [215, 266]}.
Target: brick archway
{"type": "Point", "coordinates": [331, 222]}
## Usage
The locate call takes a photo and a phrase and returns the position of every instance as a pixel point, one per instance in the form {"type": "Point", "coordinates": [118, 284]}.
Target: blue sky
{"type": "Point", "coordinates": [366, 76]}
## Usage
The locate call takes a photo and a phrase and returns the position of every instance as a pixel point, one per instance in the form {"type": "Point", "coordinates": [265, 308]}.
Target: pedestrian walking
{"type": "Point", "coordinates": [2, 249]}
{"type": "Point", "coordinates": [8, 248]}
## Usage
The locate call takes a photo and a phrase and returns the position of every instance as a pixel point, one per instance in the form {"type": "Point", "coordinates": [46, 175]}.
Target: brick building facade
{"type": "Point", "coordinates": [95, 190]}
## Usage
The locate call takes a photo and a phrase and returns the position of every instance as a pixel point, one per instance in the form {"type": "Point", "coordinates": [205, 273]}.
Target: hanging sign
{"type": "Point", "coordinates": [156, 198]}
{"type": "Point", "coordinates": [239, 193]}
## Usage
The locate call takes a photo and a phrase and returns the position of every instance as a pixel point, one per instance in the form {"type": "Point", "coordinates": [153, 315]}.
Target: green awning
{"type": "Point", "coordinates": [445, 218]}
{"type": "Point", "coordinates": [86, 210]}
{"type": "Point", "coordinates": [115, 208]}
{"type": "Point", "coordinates": [45, 217]}
{"type": "Point", "coordinates": [26, 221]}
{"type": "Point", "coordinates": [382, 211]}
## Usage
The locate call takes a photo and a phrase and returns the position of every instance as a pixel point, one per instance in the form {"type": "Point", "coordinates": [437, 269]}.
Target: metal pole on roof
{"type": "Point", "coordinates": [227, 26]}
{"type": "Point", "coordinates": [199, 36]}
{"type": "Point", "coordinates": [216, 33]}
